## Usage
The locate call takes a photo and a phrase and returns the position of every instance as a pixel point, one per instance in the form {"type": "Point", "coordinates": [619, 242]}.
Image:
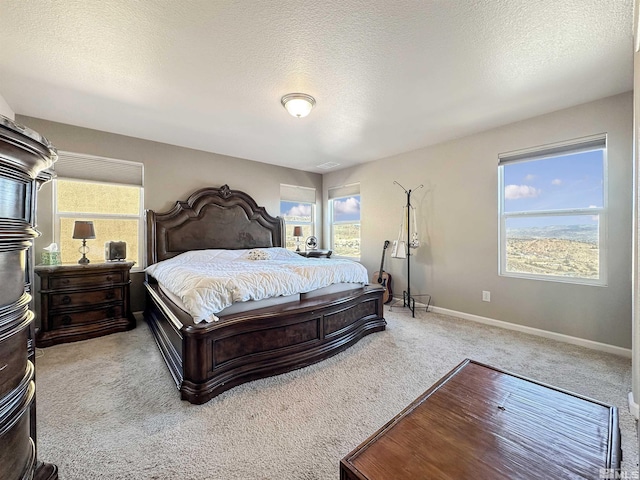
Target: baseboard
{"type": "Point", "coordinates": [603, 347]}
{"type": "Point", "coordinates": [633, 407]}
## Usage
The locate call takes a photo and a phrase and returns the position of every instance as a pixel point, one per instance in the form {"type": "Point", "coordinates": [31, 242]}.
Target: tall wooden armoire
{"type": "Point", "coordinates": [25, 157]}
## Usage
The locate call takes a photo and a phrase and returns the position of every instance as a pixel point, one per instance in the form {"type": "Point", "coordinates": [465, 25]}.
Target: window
{"type": "Point", "coordinates": [344, 211]}
{"type": "Point", "coordinates": [297, 207]}
{"type": "Point", "coordinates": [553, 212]}
{"type": "Point", "coordinates": [106, 191]}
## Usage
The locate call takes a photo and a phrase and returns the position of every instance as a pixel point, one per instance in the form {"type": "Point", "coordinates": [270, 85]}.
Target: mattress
{"type": "Point", "coordinates": [209, 283]}
{"type": "Point", "coordinates": [237, 307]}
{"type": "Point", "coordinates": [249, 305]}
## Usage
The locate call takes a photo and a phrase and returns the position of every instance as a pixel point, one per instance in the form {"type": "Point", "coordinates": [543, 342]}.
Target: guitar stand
{"type": "Point", "coordinates": [409, 300]}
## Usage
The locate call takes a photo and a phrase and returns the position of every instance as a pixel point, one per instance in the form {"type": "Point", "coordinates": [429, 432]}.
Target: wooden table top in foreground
{"type": "Point", "coordinates": [479, 422]}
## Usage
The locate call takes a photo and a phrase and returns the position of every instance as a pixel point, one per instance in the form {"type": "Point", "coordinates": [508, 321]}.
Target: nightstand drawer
{"type": "Point", "coordinates": [85, 298]}
{"type": "Point", "coordinates": [69, 281]}
{"type": "Point", "coordinates": [86, 317]}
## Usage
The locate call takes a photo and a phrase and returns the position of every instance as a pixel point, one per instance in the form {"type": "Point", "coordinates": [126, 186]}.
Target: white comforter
{"type": "Point", "coordinates": [207, 281]}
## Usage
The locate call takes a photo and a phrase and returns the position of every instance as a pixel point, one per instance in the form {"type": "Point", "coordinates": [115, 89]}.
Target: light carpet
{"type": "Point", "coordinates": [108, 408]}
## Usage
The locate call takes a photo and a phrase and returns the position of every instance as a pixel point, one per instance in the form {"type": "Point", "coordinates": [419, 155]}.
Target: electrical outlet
{"type": "Point", "coordinates": [486, 296]}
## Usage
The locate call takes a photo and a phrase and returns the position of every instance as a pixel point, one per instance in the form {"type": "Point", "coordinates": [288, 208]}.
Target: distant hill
{"type": "Point", "coordinates": [576, 233]}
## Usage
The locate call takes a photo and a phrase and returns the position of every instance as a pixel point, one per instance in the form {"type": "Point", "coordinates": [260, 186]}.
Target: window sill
{"type": "Point", "coordinates": [549, 278]}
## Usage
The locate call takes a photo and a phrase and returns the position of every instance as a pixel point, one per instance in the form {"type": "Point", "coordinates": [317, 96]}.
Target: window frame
{"type": "Point", "coordinates": [57, 216]}
{"type": "Point", "coordinates": [545, 152]}
{"type": "Point", "coordinates": [311, 224]}
{"type": "Point", "coordinates": [302, 196]}
{"type": "Point", "coordinates": [332, 225]}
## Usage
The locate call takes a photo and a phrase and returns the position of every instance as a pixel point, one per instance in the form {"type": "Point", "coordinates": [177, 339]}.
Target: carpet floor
{"type": "Point", "coordinates": [108, 408]}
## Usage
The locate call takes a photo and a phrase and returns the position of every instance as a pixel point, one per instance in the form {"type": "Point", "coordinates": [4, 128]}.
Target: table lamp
{"type": "Point", "coordinates": [297, 232]}
{"type": "Point", "coordinates": [83, 230]}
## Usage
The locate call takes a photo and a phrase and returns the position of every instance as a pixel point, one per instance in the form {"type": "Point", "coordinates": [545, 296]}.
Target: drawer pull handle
{"type": "Point", "coordinates": [66, 300]}
{"type": "Point", "coordinates": [109, 277]}
{"type": "Point", "coordinates": [111, 312]}
{"type": "Point", "coordinates": [66, 320]}
{"type": "Point", "coordinates": [4, 367]}
{"type": "Point", "coordinates": [65, 281]}
{"type": "Point", "coordinates": [111, 295]}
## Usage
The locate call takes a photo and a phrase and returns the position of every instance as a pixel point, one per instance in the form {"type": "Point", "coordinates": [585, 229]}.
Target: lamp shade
{"type": "Point", "coordinates": [83, 230]}
{"type": "Point", "coordinates": [297, 231]}
{"type": "Point", "coordinates": [298, 104]}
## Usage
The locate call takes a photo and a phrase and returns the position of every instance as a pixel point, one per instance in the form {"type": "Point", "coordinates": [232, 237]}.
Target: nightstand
{"type": "Point", "coordinates": [316, 253]}
{"type": "Point", "coordinates": [78, 302]}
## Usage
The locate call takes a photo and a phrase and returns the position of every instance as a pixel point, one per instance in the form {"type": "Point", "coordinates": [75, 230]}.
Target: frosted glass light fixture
{"type": "Point", "coordinates": [298, 104]}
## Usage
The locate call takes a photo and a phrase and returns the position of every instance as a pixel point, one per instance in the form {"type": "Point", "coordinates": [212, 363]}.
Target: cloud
{"type": "Point", "coordinates": [530, 177]}
{"type": "Point", "coordinates": [514, 192]}
{"type": "Point", "coordinates": [346, 206]}
{"type": "Point", "coordinates": [299, 211]}
{"type": "Point", "coordinates": [556, 181]}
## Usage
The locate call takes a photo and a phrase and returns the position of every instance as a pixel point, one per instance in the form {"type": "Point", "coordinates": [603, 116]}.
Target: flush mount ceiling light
{"type": "Point", "coordinates": [298, 104]}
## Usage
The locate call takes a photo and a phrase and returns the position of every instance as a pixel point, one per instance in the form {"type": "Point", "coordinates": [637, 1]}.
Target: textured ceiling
{"type": "Point", "coordinates": [389, 76]}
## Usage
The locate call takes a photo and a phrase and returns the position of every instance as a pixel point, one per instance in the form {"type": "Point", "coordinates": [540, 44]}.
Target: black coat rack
{"type": "Point", "coordinates": [409, 300]}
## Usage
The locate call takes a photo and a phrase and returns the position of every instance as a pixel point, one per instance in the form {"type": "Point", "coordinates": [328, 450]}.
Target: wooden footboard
{"type": "Point", "coordinates": [206, 359]}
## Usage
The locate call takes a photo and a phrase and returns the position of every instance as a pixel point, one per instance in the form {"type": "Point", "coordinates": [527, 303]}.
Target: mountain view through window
{"type": "Point", "coordinates": [553, 215]}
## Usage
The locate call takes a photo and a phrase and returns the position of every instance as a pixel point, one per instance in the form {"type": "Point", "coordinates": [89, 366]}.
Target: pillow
{"type": "Point", "coordinates": [258, 255]}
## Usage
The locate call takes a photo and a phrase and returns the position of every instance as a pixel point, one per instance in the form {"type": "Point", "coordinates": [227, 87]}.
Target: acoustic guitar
{"type": "Point", "coordinates": [383, 278]}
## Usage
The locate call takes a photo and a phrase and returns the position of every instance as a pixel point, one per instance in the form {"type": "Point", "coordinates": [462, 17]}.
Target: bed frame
{"type": "Point", "coordinates": [205, 359]}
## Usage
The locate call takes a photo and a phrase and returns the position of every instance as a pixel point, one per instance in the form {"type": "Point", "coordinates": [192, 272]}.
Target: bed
{"type": "Point", "coordinates": [207, 356]}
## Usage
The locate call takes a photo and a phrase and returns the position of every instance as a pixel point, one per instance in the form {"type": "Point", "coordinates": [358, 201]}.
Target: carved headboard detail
{"type": "Point", "coordinates": [211, 218]}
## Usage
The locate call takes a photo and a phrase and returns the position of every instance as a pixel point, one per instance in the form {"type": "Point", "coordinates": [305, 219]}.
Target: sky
{"type": "Point", "coordinates": [344, 209]}
{"type": "Point", "coordinates": [295, 209]}
{"type": "Point", "coordinates": [562, 182]}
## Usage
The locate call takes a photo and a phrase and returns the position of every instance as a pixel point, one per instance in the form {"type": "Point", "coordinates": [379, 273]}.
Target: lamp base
{"type": "Point", "coordinates": [83, 250]}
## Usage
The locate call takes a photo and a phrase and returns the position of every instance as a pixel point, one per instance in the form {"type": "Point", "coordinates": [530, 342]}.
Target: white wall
{"type": "Point", "coordinates": [5, 109]}
{"type": "Point", "coordinates": [458, 221]}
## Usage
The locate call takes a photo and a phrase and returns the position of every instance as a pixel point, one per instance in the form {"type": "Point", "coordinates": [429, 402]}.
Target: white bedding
{"type": "Point", "coordinates": [208, 281]}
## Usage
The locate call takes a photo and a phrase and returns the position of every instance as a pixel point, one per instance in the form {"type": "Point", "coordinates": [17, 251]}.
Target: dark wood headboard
{"type": "Point", "coordinates": [211, 218]}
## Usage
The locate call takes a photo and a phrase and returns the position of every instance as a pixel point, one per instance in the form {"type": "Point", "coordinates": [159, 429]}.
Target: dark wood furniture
{"type": "Point", "coordinates": [78, 302]}
{"type": "Point", "coordinates": [24, 158]}
{"type": "Point", "coordinates": [316, 253]}
{"type": "Point", "coordinates": [479, 422]}
{"type": "Point", "coordinates": [205, 359]}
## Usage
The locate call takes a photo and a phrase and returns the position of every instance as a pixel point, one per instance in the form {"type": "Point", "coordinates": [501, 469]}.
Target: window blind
{"type": "Point", "coordinates": [294, 193]}
{"type": "Point", "coordinates": [569, 147]}
{"type": "Point", "coordinates": [344, 191]}
{"type": "Point", "coordinates": [99, 169]}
